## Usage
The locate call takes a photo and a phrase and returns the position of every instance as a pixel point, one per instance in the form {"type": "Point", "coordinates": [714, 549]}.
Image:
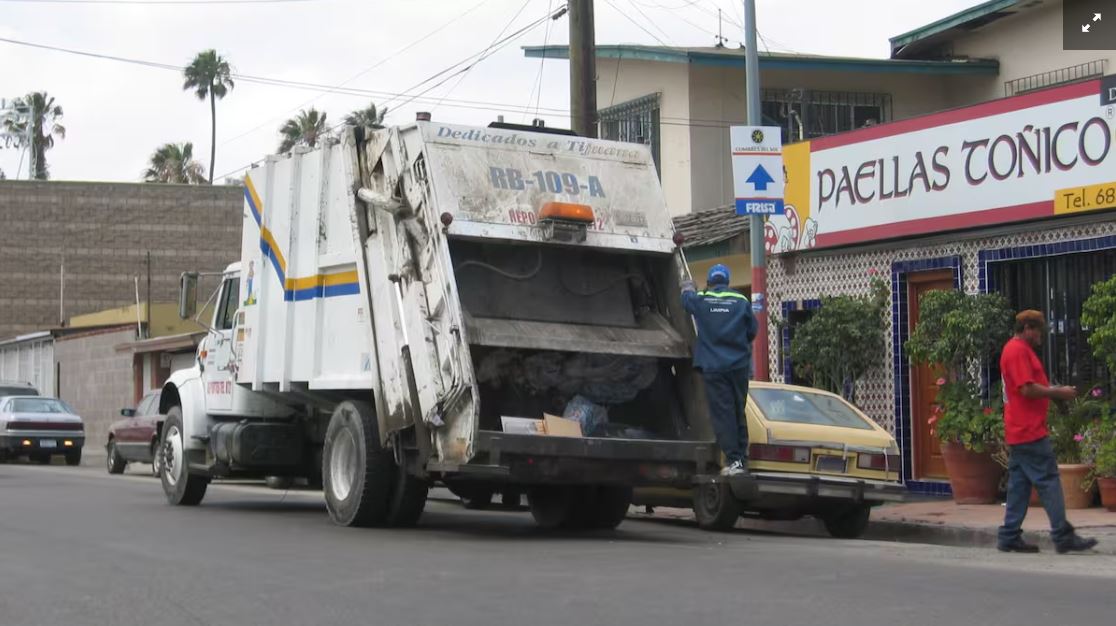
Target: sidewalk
{"type": "Point", "coordinates": [940, 522]}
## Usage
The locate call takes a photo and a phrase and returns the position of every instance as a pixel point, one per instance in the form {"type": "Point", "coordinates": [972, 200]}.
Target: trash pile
{"type": "Point", "coordinates": [592, 382]}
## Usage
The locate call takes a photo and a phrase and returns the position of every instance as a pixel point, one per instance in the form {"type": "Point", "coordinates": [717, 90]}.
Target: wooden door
{"type": "Point", "coordinates": [928, 461]}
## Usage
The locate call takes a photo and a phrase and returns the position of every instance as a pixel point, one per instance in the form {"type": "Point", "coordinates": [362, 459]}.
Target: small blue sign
{"type": "Point", "coordinates": [759, 178]}
{"type": "Point", "coordinates": [757, 303]}
{"type": "Point", "coordinates": [758, 206]}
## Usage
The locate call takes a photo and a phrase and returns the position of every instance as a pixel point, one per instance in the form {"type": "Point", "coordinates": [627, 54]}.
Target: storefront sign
{"type": "Point", "coordinates": [1003, 161]}
{"type": "Point", "coordinates": [757, 169]}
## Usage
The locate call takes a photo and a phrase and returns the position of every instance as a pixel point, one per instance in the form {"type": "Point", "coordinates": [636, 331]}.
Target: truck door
{"type": "Point", "coordinates": [220, 360]}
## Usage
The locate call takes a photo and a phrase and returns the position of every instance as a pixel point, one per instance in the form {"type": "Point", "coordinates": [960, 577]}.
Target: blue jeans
{"type": "Point", "coordinates": [727, 393]}
{"type": "Point", "coordinates": [1034, 464]}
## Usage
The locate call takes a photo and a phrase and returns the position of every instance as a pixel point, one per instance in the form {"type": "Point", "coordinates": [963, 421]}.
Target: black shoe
{"type": "Point", "coordinates": [1076, 543]}
{"type": "Point", "coordinates": [1018, 546]}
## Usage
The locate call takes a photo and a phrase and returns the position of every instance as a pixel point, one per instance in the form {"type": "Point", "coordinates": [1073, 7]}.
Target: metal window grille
{"type": "Point", "coordinates": [1063, 76]}
{"type": "Point", "coordinates": [805, 113]}
{"type": "Point", "coordinates": [635, 121]}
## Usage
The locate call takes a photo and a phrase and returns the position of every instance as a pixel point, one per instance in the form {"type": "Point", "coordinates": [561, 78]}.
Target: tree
{"type": "Point", "coordinates": [1098, 315]}
{"type": "Point", "coordinates": [174, 163]}
{"type": "Point", "coordinates": [370, 117]}
{"type": "Point", "coordinates": [40, 111]}
{"type": "Point", "coordinates": [305, 129]}
{"type": "Point", "coordinates": [209, 76]}
{"type": "Point", "coordinates": [842, 341]}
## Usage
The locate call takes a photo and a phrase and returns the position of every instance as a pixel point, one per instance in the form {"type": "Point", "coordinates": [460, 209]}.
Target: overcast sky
{"type": "Point", "coordinates": [116, 114]}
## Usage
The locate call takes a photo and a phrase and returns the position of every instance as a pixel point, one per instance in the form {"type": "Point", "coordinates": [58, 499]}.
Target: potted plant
{"type": "Point", "coordinates": [1067, 428]}
{"type": "Point", "coordinates": [843, 340]}
{"type": "Point", "coordinates": [960, 333]}
{"type": "Point", "coordinates": [1098, 450]}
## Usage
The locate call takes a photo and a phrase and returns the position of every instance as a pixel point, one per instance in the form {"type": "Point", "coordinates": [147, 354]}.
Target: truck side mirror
{"type": "Point", "coordinates": [187, 295]}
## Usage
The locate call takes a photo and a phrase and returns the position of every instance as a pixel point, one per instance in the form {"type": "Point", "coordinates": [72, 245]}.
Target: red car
{"type": "Point", "coordinates": [135, 438]}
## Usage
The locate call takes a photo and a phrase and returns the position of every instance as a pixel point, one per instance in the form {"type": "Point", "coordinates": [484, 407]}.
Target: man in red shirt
{"type": "Point", "coordinates": [1027, 394]}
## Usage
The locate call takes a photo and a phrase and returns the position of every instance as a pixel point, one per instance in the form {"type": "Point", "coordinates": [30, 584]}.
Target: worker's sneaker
{"type": "Point", "coordinates": [1076, 543]}
{"type": "Point", "coordinates": [1018, 546]}
{"type": "Point", "coordinates": [737, 468]}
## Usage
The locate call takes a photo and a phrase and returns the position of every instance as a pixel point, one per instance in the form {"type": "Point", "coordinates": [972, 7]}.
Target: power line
{"type": "Point", "coordinates": [157, 2]}
{"type": "Point", "coordinates": [637, 24]}
{"type": "Point", "coordinates": [362, 72]}
{"type": "Point", "coordinates": [649, 20]}
{"type": "Point", "coordinates": [537, 88]}
{"type": "Point", "coordinates": [494, 40]}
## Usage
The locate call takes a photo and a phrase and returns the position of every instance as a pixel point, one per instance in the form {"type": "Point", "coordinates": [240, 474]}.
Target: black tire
{"type": "Point", "coordinates": [180, 486]}
{"type": "Point", "coordinates": [156, 463]}
{"type": "Point", "coordinates": [715, 507]}
{"type": "Point", "coordinates": [511, 498]}
{"type": "Point", "coordinates": [114, 462]}
{"type": "Point", "coordinates": [73, 457]}
{"type": "Point", "coordinates": [848, 523]}
{"type": "Point", "coordinates": [408, 500]}
{"type": "Point", "coordinates": [358, 474]}
{"type": "Point", "coordinates": [552, 507]}
{"type": "Point", "coordinates": [609, 507]}
{"type": "Point", "coordinates": [279, 483]}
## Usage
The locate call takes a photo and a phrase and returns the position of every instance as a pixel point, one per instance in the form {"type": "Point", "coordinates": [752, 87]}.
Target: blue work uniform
{"type": "Point", "coordinates": [725, 330]}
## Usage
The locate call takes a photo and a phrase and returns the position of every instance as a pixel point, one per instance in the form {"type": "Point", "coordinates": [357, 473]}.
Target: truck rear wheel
{"type": "Point", "coordinates": [552, 506]}
{"type": "Point", "coordinates": [180, 486]}
{"type": "Point", "coordinates": [715, 507]}
{"type": "Point", "coordinates": [608, 507]}
{"type": "Point", "coordinates": [358, 474]}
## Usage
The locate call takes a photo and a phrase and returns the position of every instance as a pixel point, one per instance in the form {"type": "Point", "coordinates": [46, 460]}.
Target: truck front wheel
{"type": "Point", "coordinates": [180, 486]}
{"type": "Point", "coordinates": [358, 474]}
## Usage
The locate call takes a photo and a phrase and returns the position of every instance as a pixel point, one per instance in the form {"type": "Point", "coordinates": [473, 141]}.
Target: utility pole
{"type": "Point", "coordinates": [583, 69]}
{"type": "Point", "coordinates": [760, 349]}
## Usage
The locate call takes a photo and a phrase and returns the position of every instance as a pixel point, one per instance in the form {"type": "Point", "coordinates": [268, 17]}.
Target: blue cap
{"type": "Point", "coordinates": [718, 275]}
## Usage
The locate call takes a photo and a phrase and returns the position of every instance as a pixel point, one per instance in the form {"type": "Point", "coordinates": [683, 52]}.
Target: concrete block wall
{"type": "Point", "coordinates": [102, 232]}
{"type": "Point", "coordinates": [95, 379]}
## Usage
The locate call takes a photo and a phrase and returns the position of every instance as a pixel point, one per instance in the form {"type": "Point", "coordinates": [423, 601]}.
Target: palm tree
{"type": "Point", "coordinates": [370, 117]}
{"type": "Point", "coordinates": [209, 75]}
{"type": "Point", "coordinates": [38, 109]}
{"type": "Point", "coordinates": [174, 163]}
{"type": "Point", "coordinates": [304, 129]}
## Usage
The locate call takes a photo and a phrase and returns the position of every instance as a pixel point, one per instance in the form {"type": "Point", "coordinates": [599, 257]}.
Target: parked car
{"type": "Point", "coordinates": [16, 388]}
{"type": "Point", "coordinates": [40, 428]}
{"type": "Point", "coordinates": [810, 453]}
{"type": "Point", "coordinates": [135, 438]}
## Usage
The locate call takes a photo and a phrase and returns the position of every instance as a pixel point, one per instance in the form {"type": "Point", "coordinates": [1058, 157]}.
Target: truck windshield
{"type": "Point", "coordinates": [803, 407]}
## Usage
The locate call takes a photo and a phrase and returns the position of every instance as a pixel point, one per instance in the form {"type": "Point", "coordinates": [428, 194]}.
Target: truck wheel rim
{"type": "Point", "coordinates": [343, 465]}
{"type": "Point", "coordinates": [172, 455]}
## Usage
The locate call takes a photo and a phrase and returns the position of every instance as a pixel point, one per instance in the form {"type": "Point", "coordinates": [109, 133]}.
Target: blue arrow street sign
{"type": "Point", "coordinates": [760, 178]}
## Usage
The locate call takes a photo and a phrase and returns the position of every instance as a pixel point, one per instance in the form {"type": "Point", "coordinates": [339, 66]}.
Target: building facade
{"type": "Point", "coordinates": [69, 248]}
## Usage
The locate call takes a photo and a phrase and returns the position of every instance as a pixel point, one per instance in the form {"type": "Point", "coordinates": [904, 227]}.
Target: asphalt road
{"type": "Point", "coordinates": [79, 547]}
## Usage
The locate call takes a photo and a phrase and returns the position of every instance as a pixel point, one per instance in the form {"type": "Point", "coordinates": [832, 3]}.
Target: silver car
{"type": "Point", "coordinates": [40, 428]}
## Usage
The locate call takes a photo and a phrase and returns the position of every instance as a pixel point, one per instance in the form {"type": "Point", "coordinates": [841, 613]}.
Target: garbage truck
{"type": "Point", "coordinates": [484, 308]}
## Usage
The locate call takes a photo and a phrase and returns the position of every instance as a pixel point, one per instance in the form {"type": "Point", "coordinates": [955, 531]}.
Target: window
{"type": "Point", "coordinates": [149, 405]}
{"type": "Point", "coordinates": [1058, 286]}
{"type": "Point", "coordinates": [38, 405]}
{"type": "Point", "coordinates": [230, 296]}
{"type": "Point", "coordinates": [805, 114]}
{"type": "Point", "coordinates": [800, 407]}
{"type": "Point", "coordinates": [634, 121]}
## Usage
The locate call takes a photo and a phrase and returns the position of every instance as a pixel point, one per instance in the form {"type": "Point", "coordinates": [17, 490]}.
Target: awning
{"type": "Point", "coordinates": [173, 343]}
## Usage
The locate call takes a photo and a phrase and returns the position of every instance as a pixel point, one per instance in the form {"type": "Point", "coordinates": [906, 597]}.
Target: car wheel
{"type": "Point", "coordinates": [358, 474]}
{"type": "Point", "coordinates": [114, 462]}
{"type": "Point", "coordinates": [715, 507]}
{"type": "Point", "coordinates": [180, 486]}
{"type": "Point", "coordinates": [73, 457]}
{"type": "Point", "coordinates": [848, 523]}
{"type": "Point", "coordinates": [156, 462]}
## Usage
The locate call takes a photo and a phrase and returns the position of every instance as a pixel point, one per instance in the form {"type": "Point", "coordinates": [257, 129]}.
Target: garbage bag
{"type": "Point", "coordinates": [592, 417]}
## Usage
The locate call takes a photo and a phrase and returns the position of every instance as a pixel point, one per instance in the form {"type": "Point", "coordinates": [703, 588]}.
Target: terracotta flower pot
{"type": "Point", "coordinates": [1073, 479]}
{"type": "Point", "coordinates": [974, 476]}
{"type": "Point", "coordinates": [1108, 493]}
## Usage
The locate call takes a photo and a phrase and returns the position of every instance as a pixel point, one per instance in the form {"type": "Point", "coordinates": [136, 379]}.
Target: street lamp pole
{"type": "Point", "coordinates": [760, 350]}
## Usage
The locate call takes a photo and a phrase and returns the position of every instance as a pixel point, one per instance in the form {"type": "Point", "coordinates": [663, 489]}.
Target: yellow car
{"type": "Point", "coordinates": [810, 453]}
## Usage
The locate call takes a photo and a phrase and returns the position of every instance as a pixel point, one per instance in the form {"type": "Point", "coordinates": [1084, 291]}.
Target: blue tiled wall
{"type": "Point", "coordinates": [901, 366]}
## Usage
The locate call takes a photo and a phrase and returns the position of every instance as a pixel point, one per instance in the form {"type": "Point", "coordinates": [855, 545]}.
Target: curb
{"type": "Point", "coordinates": [965, 537]}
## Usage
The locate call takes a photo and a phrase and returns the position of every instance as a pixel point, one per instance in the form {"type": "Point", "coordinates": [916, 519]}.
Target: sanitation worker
{"type": "Point", "coordinates": [725, 330]}
{"type": "Point", "coordinates": [1027, 394]}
